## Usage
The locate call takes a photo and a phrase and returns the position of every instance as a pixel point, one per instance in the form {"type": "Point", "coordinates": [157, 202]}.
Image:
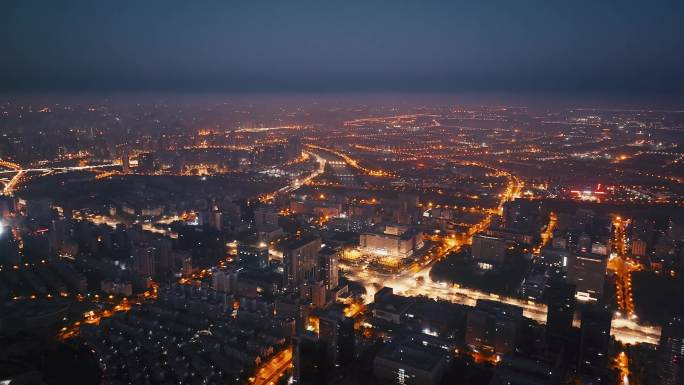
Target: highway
{"type": "Point", "coordinates": [270, 372]}
{"type": "Point", "coordinates": [57, 169]}
{"type": "Point", "coordinates": [297, 183]}
{"type": "Point", "coordinates": [20, 174]}
{"type": "Point", "coordinates": [418, 283]}
{"type": "Point", "coordinates": [409, 283]}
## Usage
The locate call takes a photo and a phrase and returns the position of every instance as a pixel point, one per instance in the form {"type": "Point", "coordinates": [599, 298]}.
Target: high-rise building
{"type": "Point", "coordinates": [225, 281]}
{"type": "Point", "coordinates": [409, 364]}
{"type": "Point", "coordinates": [522, 215]}
{"type": "Point", "coordinates": [126, 162]}
{"type": "Point", "coordinates": [337, 331]}
{"type": "Point", "coordinates": [671, 351]}
{"type": "Point", "coordinates": [594, 343]}
{"type": "Point", "coordinates": [294, 148]}
{"type": "Point", "coordinates": [144, 260]}
{"type": "Point", "coordinates": [300, 258]}
{"type": "Point", "coordinates": [312, 363]}
{"type": "Point", "coordinates": [146, 163]}
{"type": "Point", "coordinates": [395, 241]}
{"type": "Point", "coordinates": [9, 250]}
{"type": "Point", "coordinates": [639, 248]}
{"type": "Point", "coordinates": [588, 273]}
{"type": "Point", "coordinates": [561, 309]}
{"type": "Point", "coordinates": [329, 259]}
{"type": "Point", "coordinates": [185, 261]}
{"type": "Point", "coordinates": [216, 221]}
{"type": "Point", "coordinates": [254, 256]}
{"type": "Point", "coordinates": [265, 216]}
{"type": "Point", "coordinates": [493, 327]}
{"type": "Point", "coordinates": [318, 297]}
{"type": "Point", "coordinates": [489, 249]}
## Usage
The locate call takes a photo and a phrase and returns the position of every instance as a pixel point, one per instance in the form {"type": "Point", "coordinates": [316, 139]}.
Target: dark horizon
{"type": "Point", "coordinates": [623, 49]}
{"type": "Point", "coordinates": [530, 100]}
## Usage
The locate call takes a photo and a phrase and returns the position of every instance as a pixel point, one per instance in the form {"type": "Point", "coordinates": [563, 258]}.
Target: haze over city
{"type": "Point", "coordinates": [360, 192]}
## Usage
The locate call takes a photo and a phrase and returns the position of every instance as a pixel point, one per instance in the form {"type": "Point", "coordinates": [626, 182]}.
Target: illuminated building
{"type": "Point", "coordinates": [639, 248]}
{"type": "Point", "coordinates": [329, 259]}
{"type": "Point", "coordinates": [126, 162]}
{"type": "Point", "coordinates": [144, 260]}
{"type": "Point", "coordinates": [269, 233]}
{"type": "Point", "coordinates": [317, 294]}
{"type": "Point", "coordinates": [493, 327]}
{"type": "Point", "coordinates": [561, 309]}
{"type": "Point", "coordinates": [300, 259]}
{"type": "Point", "coordinates": [9, 251]}
{"type": "Point", "coordinates": [588, 273]}
{"type": "Point", "coordinates": [265, 216]}
{"type": "Point", "coordinates": [671, 350]}
{"type": "Point", "coordinates": [225, 281]}
{"type": "Point", "coordinates": [594, 343]}
{"type": "Point", "coordinates": [522, 215]}
{"type": "Point", "coordinates": [337, 331]}
{"type": "Point", "coordinates": [294, 148]}
{"type": "Point", "coordinates": [519, 370]}
{"type": "Point", "coordinates": [254, 256]}
{"type": "Point", "coordinates": [600, 248]}
{"type": "Point", "coordinates": [146, 163]}
{"type": "Point", "coordinates": [312, 361]}
{"type": "Point", "coordinates": [489, 249]}
{"type": "Point", "coordinates": [393, 241]}
{"type": "Point", "coordinates": [535, 283]}
{"type": "Point", "coordinates": [409, 364]}
{"type": "Point", "coordinates": [389, 306]}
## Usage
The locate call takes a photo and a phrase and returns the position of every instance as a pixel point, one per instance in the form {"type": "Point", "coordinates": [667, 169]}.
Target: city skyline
{"type": "Point", "coordinates": [341, 193]}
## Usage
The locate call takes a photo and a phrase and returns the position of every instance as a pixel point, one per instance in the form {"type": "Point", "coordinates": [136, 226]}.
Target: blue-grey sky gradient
{"type": "Point", "coordinates": [627, 46]}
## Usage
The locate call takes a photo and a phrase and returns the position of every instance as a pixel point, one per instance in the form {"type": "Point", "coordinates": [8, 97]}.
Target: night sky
{"type": "Point", "coordinates": [596, 46]}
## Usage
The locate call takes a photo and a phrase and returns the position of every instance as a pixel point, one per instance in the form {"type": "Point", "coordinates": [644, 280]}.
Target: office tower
{"type": "Point", "coordinates": [395, 241]}
{"type": "Point", "coordinates": [265, 216]}
{"type": "Point", "coordinates": [294, 148]}
{"type": "Point", "coordinates": [639, 248]}
{"type": "Point", "coordinates": [216, 219]}
{"type": "Point", "coordinates": [594, 343]}
{"type": "Point", "coordinates": [301, 261]}
{"type": "Point", "coordinates": [489, 249]}
{"type": "Point", "coordinates": [588, 273]}
{"type": "Point", "coordinates": [337, 331]}
{"type": "Point", "coordinates": [225, 281]}
{"type": "Point", "coordinates": [561, 309]}
{"type": "Point", "coordinates": [312, 363]}
{"type": "Point", "coordinates": [144, 260]}
{"type": "Point", "coordinates": [9, 249]}
{"type": "Point", "coordinates": [409, 364]}
{"type": "Point", "coordinates": [522, 215]}
{"type": "Point", "coordinates": [146, 163]}
{"type": "Point", "coordinates": [671, 351]}
{"type": "Point", "coordinates": [126, 162]}
{"type": "Point", "coordinates": [318, 297]}
{"type": "Point", "coordinates": [329, 259]}
{"type": "Point", "coordinates": [493, 327]}
{"type": "Point", "coordinates": [254, 256]}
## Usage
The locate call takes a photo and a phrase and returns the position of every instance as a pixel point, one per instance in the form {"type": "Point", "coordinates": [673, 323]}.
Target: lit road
{"type": "Point", "coordinates": [11, 186]}
{"type": "Point", "coordinates": [418, 283]}
{"type": "Point", "coordinates": [622, 266]}
{"type": "Point", "coordinates": [21, 174]}
{"type": "Point", "coordinates": [408, 283]}
{"type": "Point", "coordinates": [271, 371]}
{"type": "Point", "coordinates": [352, 162]}
{"type": "Point", "coordinates": [74, 168]}
{"type": "Point", "coordinates": [297, 183]}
